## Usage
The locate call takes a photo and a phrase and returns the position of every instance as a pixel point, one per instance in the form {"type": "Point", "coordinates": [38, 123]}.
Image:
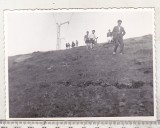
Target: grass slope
{"type": "Point", "coordinates": [81, 83]}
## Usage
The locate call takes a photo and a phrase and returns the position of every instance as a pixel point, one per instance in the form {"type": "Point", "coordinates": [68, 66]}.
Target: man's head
{"type": "Point", "coordinates": [87, 32]}
{"type": "Point", "coordinates": [109, 30]}
{"type": "Point", "coordinates": [119, 22]}
{"type": "Point", "coordinates": [93, 31]}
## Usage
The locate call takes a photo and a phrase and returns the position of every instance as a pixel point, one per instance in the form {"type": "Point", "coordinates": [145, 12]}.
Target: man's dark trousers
{"type": "Point", "coordinates": [118, 41]}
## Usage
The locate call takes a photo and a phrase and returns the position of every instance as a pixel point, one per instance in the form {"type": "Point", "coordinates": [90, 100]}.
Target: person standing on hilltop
{"type": "Point", "coordinates": [93, 38]}
{"type": "Point", "coordinates": [86, 40]}
{"type": "Point", "coordinates": [73, 44]}
{"type": "Point", "coordinates": [76, 43]}
{"type": "Point", "coordinates": [109, 36]}
{"type": "Point", "coordinates": [68, 45]}
{"type": "Point", "coordinates": [118, 33]}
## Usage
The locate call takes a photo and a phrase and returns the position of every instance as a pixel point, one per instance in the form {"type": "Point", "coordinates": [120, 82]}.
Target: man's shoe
{"type": "Point", "coordinates": [114, 53]}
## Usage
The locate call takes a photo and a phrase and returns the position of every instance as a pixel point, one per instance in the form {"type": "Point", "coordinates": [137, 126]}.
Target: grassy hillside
{"type": "Point", "coordinates": [81, 83]}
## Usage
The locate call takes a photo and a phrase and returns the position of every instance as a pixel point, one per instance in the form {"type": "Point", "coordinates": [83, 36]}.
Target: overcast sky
{"type": "Point", "coordinates": [31, 31]}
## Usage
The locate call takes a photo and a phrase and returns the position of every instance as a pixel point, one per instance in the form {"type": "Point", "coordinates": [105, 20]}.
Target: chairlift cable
{"type": "Point", "coordinates": [54, 18]}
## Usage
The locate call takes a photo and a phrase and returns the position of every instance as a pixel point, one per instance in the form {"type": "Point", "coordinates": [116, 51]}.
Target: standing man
{"type": "Point", "coordinates": [86, 40]}
{"type": "Point", "coordinates": [73, 44]}
{"type": "Point", "coordinates": [93, 38]}
{"type": "Point", "coordinates": [118, 33]}
{"type": "Point", "coordinates": [66, 45]}
{"type": "Point", "coordinates": [69, 45]}
{"type": "Point", "coordinates": [76, 43]}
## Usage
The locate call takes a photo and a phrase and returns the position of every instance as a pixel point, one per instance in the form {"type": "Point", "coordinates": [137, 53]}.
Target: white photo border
{"type": "Point", "coordinates": [139, 118]}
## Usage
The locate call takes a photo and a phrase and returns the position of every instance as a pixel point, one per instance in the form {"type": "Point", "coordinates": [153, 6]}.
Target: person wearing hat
{"type": "Point", "coordinates": [118, 33]}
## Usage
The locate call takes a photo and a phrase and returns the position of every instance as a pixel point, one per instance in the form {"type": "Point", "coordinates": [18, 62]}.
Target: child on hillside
{"type": "Point", "coordinates": [86, 40]}
{"type": "Point", "coordinates": [109, 36]}
{"type": "Point", "coordinates": [93, 39]}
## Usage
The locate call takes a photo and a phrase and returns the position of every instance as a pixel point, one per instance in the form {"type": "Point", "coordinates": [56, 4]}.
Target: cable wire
{"type": "Point", "coordinates": [54, 18]}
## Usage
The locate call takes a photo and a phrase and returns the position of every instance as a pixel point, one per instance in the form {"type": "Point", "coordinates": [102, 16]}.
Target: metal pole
{"type": "Point", "coordinates": [57, 47]}
{"type": "Point", "coordinates": [59, 37]}
{"type": "Point", "coordinates": [58, 34]}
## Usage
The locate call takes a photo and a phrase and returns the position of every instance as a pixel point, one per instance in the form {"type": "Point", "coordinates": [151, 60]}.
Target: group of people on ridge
{"type": "Point", "coordinates": [115, 37]}
{"type": "Point", "coordinates": [68, 45]}
{"type": "Point", "coordinates": [90, 39]}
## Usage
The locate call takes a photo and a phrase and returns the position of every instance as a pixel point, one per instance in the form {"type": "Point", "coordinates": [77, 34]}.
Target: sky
{"type": "Point", "coordinates": [31, 31]}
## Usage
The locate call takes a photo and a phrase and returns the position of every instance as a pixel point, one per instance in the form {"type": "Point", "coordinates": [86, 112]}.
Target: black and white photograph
{"type": "Point", "coordinates": [80, 64]}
